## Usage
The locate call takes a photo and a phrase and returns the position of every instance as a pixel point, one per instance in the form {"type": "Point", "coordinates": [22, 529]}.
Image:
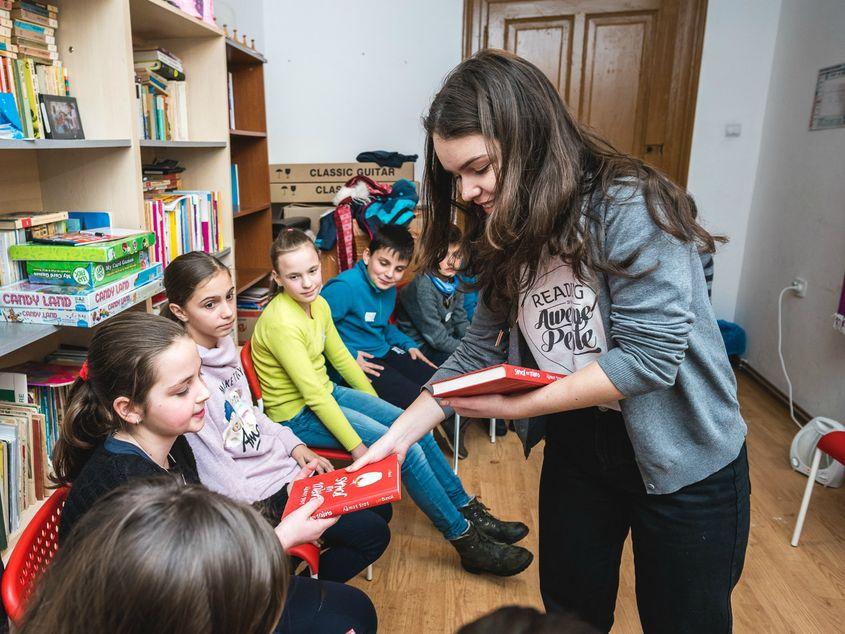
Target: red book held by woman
{"type": "Point", "coordinates": [497, 379]}
{"type": "Point", "coordinates": [344, 492]}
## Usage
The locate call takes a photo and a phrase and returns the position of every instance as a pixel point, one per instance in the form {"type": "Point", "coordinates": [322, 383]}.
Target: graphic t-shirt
{"type": "Point", "coordinates": [561, 321]}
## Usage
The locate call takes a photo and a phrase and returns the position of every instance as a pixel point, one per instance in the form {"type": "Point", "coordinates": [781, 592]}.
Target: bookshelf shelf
{"type": "Point", "coordinates": [238, 53]}
{"type": "Point", "coordinates": [182, 144]}
{"type": "Point", "coordinates": [57, 144]}
{"type": "Point", "coordinates": [157, 19]}
{"type": "Point", "coordinates": [248, 278]}
{"type": "Point", "coordinates": [13, 337]}
{"type": "Point", "coordinates": [251, 209]}
{"type": "Point", "coordinates": [248, 134]}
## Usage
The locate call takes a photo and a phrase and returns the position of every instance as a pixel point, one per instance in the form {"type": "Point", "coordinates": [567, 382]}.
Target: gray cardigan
{"type": "Point", "coordinates": [665, 353]}
{"type": "Point", "coordinates": [422, 315]}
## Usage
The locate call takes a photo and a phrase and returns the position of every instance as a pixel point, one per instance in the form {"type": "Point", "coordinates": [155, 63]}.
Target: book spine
{"type": "Point", "coordinates": [333, 509]}
{"type": "Point", "coordinates": [32, 95]}
{"type": "Point", "coordinates": [24, 105]}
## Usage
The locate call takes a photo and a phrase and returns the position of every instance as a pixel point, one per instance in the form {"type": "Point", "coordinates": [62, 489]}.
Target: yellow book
{"type": "Point", "coordinates": [174, 235]}
{"type": "Point", "coordinates": [32, 94]}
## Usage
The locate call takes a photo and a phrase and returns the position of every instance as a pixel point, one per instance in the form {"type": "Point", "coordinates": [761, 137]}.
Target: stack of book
{"type": "Point", "coordinates": [184, 220]}
{"type": "Point", "coordinates": [81, 278]}
{"type": "Point", "coordinates": [161, 176]}
{"type": "Point", "coordinates": [250, 304]}
{"type": "Point", "coordinates": [29, 61]}
{"type": "Point", "coordinates": [21, 227]}
{"type": "Point", "coordinates": [32, 405]}
{"type": "Point", "coordinates": [161, 95]}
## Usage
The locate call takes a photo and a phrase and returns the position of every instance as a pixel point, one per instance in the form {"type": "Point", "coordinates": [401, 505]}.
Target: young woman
{"type": "Point", "coordinates": [239, 451]}
{"type": "Point", "coordinates": [159, 556]}
{"type": "Point", "coordinates": [293, 339]}
{"type": "Point", "coordinates": [431, 307]}
{"type": "Point", "coordinates": [587, 261]}
{"type": "Point", "coordinates": [138, 393]}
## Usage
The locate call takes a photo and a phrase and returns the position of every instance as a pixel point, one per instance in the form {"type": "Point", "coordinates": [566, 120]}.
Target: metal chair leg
{"type": "Point", "coordinates": [457, 440]}
{"type": "Point", "coordinates": [805, 502]}
{"type": "Point", "coordinates": [370, 572]}
{"type": "Point", "coordinates": [493, 430]}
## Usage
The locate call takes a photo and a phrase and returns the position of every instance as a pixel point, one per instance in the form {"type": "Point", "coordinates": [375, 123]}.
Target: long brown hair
{"type": "Point", "coordinates": [121, 362]}
{"type": "Point", "coordinates": [155, 556]}
{"type": "Point", "coordinates": [551, 171]}
{"type": "Point", "coordinates": [184, 274]}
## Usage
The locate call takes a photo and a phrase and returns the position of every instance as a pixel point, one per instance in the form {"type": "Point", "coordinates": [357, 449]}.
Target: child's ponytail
{"type": "Point", "coordinates": [121, 362]}
{"type": "Point", "coordinates": [183, 275]}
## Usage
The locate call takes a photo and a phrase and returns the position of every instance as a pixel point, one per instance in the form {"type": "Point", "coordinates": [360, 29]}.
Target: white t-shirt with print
{"type": "Point", "coordinates": [561, 321]}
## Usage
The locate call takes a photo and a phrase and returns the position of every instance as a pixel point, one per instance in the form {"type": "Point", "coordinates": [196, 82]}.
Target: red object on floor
{"type": "Point", "coordinates": [833, 444]}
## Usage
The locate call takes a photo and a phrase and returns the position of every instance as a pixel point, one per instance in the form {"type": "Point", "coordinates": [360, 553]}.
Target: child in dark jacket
{"type": "Point", "coordinates": [431, 307]}
{"type": "Point", "coordinates": [362, 300]}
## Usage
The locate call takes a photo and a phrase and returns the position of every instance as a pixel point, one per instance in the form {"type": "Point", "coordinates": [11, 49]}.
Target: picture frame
{"type": "Point", "coordinates": [61, 117]}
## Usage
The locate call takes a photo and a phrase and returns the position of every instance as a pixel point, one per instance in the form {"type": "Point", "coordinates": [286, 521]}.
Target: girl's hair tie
{"type": "Point", "coordinates": [83, 371]}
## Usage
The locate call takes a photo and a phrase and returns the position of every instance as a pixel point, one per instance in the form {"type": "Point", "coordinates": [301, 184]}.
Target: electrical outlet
{"type": "Point", "coordinates": [799, 287]}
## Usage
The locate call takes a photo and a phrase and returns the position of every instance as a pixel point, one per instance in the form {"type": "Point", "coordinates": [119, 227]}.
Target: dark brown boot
{"type": "Point", "coordinates": [481, 554]}
{"type": "Point", "coordinates": [505, 532]}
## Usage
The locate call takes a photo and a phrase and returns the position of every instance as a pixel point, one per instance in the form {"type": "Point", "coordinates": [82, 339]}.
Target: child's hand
{"type": "Point", "coordinates": [358, 451]}
{"type": "Point", "coordinates": [417, 355]}
{"type": "Point", "coordinates": [307, 471]}
{"type": "Point", "coordinates": [367, 366]}
{"type": "Point", "coordinates": [303, 456]}
{"type": "Point", "coordinates": [300, 528]}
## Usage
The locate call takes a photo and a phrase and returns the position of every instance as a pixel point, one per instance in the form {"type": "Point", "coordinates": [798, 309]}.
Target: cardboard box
{"type": "Point", "coordinates": [337, 172]}
{"type": "Point", "coordinates": [312, 212]}
{"type": "Point", "coordinates": [303, 192]}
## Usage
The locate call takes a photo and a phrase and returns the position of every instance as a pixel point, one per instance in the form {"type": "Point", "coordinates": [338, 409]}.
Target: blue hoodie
{"type": "Point", "coordinates": [361, 311]}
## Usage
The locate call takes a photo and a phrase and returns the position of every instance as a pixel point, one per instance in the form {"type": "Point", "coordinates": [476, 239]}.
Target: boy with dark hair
{"type": "Point", "coordinates": [362, 300]}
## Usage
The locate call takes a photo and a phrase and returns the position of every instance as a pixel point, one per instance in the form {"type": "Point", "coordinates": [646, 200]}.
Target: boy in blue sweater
{"type": "Point", "coordinates": [362, 300]}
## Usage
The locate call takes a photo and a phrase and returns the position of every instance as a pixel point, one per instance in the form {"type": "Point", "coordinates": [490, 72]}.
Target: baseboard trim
{"type": "Point", "coordinates": [800, 413]}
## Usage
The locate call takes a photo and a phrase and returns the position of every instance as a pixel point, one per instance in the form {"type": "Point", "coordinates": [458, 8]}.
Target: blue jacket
{"type": "Point", "coordinates": [360, 312]}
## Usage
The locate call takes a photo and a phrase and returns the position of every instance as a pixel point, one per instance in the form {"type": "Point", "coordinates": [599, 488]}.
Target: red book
{"type": "Point", "coordinates": [497, 379]}
{"type": "Point", "coordinates": [343, 492]}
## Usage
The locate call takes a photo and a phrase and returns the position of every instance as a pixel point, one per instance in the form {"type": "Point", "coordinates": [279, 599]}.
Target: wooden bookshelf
{"type": "Point", "coordinates": [248, 146]}
{"type": "Point", "coordinates": [103, 172]}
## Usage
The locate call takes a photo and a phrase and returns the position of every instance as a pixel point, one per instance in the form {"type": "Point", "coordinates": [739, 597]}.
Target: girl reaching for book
{"type": "Point", "coordinates": [138, 394]}
{"type": "Point", "coordinates": [293, 340]}
{"type": "Point", "coordinates": [239, 451]}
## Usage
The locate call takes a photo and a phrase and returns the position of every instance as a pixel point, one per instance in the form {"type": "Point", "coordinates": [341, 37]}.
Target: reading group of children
{"type": "Point", "coordinates": [587, 262]}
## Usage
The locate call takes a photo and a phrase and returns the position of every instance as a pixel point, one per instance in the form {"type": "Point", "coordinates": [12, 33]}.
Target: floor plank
{"type": "Point", "coordinates": [419, 586]}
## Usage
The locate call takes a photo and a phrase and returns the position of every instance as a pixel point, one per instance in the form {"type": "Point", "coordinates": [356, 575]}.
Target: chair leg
{"type": "Point", "coordinates": [493, 430]}
{"type": "Point", "coordinates": [457, 440]}
{"type": "Point", "coordinates": [370, 572]}
{"type": "Point", "coordinates": [805, 502]}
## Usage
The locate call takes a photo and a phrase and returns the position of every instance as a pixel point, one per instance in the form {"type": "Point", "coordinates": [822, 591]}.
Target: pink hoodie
{"type": "Point", "coordinates": [239, 451]}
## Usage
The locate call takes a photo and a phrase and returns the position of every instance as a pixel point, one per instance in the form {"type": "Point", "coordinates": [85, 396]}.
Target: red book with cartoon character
{"type": "Point", "coordinates": [497, 379]}
{"type": "Point", "coordinates": [343, 492]}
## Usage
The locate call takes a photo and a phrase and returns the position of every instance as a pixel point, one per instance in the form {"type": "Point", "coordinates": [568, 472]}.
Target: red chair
{"type": "Point", "coordinates": [832, 444]}
{"type": "Point", "coordinates": [34, 551]}
{"type": "Point", "coordinates": [309, 553]}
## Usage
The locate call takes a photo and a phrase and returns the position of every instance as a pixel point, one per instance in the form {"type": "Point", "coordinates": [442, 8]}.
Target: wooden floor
{"type": "Point", "coordinates": [419, 586]}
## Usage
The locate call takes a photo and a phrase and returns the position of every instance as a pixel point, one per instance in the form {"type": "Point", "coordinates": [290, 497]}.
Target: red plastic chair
{"type": "Point", "coordinates": [309, 553]}
{"type": "Point", "coordinates": [34, 551]}
{"type": "Point", "coordinates": [832, 444]}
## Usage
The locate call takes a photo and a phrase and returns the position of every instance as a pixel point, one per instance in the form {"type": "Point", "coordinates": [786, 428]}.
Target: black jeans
{"type": "Point", "coordinates": [315, 606]}
{"type": "Point", "coordinates": [689, 546]}
{"type": "Point", "coordinates": [401, 379]}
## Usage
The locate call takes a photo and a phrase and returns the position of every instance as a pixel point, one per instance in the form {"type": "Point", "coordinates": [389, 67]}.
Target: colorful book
{"type": "Point", "coordinates": [29, 295]}
{"type": "Point", "coordinates": [99, 252]}
{"type": "Point", "coordinates": [26, 219]}
{"type": "Point", "coordinates": [343, 492]}
{"type": "Point", "coordinates": [85, 274]}
{"type": "Point", "coordinates": [82, 318]}
{"type": "Point", "coordinates": [497, 379]}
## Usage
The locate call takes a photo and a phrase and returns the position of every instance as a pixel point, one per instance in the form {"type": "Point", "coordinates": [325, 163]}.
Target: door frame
{"type": "Point", "coordinates": [692, 15]}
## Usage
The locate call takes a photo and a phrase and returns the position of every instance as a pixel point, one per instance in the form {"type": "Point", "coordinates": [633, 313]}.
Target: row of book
{"type": "Point", "coordinates": [16, 228]}
{"type": "Point", "coordinates": [161, 95]}
{"type": "Point", "coordinates": [32, 406]}
{"type": "Point", "coordinates": [250, 304]}
{"type": "Point", "coordinates": [161, 176]}
{"type": "Point", "coordinates": [33, 80]}
{"type": "Point", "coordinates": [184, 221]}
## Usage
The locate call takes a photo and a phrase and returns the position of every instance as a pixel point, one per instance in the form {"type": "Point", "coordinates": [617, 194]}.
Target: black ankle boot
{"type": "Point", "coordinates": [481, 554]}
{"type": "Point", "coordinates": [505, 532]}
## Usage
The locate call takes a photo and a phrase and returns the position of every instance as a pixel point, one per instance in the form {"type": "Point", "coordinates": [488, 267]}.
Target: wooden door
{"type": "Point", "coordinates": [627, 68]}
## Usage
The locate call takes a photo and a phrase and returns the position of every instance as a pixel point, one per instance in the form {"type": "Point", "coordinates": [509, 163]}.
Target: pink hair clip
{"type": "Point", "coordinates": [83, 371]}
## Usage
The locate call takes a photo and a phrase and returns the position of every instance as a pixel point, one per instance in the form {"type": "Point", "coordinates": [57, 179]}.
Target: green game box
{"type": "Point", "coordinates": [94, 252]}
{"type": "Point", "coordinates": [85, 274]}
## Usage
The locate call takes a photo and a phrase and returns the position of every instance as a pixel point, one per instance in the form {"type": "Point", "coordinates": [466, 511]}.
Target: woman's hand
{"type": "Point", "coordinates": [367, 366]}
{"type": "Point", "coordinates": [382, 448]}
{"type": "Point", "coordinates": [300, 528]}
{"type": "Point", "coordinates": [303, 455]}
{"type": "Point", "coordinates": [417, 355]}
{"type": "Point", "coordinates": [359, 451]}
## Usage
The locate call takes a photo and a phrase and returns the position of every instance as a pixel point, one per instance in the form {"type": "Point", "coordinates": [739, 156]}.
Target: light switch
{"type": "Point", "coordinates": [733, 129]}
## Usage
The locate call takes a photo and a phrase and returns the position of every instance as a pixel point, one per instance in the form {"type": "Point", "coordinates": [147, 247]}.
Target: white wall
{"type": "Point", "coordinates": [797, 220]}
{"type": "Point", "coordinates": [345, 77]}
{"type": "Point", "coordinates": [736, 64]}
{"type": "Point", "coordinates": [247, 16]}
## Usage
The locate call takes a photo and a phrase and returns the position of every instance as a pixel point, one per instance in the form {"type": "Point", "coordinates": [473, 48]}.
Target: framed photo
{"type": "Point", "coordinates": [61, 118]}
